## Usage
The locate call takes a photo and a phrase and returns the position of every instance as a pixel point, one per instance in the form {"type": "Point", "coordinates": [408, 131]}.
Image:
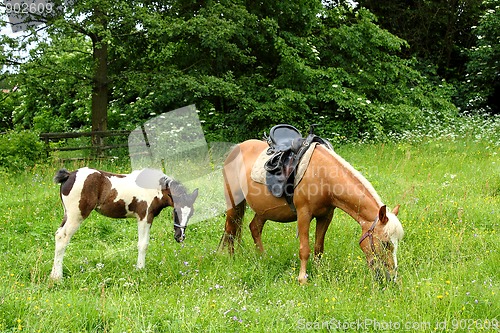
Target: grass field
{"type": "Point", "coordinates": [449, 261]}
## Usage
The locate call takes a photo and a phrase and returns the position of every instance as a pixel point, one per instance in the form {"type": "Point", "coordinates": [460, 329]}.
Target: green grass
{"type": "Point", "coordinates": [449, 191]}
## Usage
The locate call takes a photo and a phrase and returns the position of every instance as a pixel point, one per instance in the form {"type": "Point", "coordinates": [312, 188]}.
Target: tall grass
{"type": "Point", "coordinates": [449, 190]}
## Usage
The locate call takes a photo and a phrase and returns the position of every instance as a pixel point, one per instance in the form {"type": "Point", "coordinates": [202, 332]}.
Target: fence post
{"type": "Point", "coordinates": [46, 140]}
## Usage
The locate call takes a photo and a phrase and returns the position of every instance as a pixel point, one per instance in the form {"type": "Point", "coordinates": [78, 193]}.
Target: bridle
{"type": "Point", "coordinates": [369, 234]}
{"type": "Point", "coordinates": [177, 225]}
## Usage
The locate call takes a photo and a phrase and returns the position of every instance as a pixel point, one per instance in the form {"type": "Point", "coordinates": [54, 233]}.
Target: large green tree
{"type": "Point", "coordinates": [71, 55]}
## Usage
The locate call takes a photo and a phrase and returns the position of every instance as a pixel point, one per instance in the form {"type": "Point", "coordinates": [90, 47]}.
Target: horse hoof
{"type": "Point", "coordinates": [302, 281]}
{"type": "Point", "coordinates": [55, 278]}
{"type": "Point", "coordinates": [56, 275]}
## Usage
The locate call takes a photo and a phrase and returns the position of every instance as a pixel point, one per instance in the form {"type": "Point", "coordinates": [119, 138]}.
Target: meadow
{"type": "Point", "coordinates": [447, 182]}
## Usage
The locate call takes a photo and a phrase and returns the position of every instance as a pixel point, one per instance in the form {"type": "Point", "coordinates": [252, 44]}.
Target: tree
{"type": "Point", "coordinates": [483, 68]}
{"type": "Point", "coordinates": [245, 65]}
{"type": "Point", "coordinates": [101, 22]}
{"type": "Point", "coordinates": [437, 31]}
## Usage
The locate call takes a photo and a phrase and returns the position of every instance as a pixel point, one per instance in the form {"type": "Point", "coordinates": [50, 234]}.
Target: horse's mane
{"type": "Point", "coordinates": [357, 175]}
{"type": "Point", "coordinates": [393, 228]}
{"type": "Point", "coordinates": [177, 188]}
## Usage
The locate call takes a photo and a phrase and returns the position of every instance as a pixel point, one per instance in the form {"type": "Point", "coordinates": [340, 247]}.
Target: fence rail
{"type": "Point", "coordinates": [56, 137]}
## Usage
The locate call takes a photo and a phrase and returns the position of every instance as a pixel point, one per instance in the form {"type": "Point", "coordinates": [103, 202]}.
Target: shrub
{"type": "Point", "coordinates": [19, 150]}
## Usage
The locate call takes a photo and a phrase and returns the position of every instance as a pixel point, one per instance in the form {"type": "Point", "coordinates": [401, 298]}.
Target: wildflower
{"type": "Point", "coordinates": [439, 296]}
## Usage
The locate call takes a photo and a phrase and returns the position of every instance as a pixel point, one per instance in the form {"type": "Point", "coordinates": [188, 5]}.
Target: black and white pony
{"type": "Point", "coordinates": [141, 194]}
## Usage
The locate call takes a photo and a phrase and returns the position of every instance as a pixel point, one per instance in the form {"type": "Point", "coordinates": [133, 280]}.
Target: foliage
{"type": "Point", "coordinates": [246, 67]}
{"type": "Point", "coordinates": [20, 150]}
{"type": "Point", "coordinates": [448, 259]}
{"type": "Point", "coordinates": [55, 86]}
{"type": "Point", "coordinates": [9, 101]}
{"type": "Point", "coordinates": [483, 68]}
{"type": "Point", "coordinates": [340, 70]}
{"type": "Point", "coordinates": [437, 31]}
{"type": "Point", "coordinates": [369, 88]}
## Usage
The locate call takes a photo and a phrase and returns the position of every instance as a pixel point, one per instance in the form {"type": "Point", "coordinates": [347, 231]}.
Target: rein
{"type": "Point", "coordinates": [369, 234]}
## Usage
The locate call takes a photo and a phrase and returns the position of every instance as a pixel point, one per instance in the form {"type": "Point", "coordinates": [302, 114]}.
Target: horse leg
{"type": "Point", "coordinates": [144, 227]}
{"type": "Point", "coordinates": [322, 224]}
{"type": "Point", "coordinates": [234, 221]}
{"type": "Point", "coordinates": [256, 227]}
{"type": "Point", "coordinates": [69, 226]}
{"type": "Point", "coordinates": [303, 223]}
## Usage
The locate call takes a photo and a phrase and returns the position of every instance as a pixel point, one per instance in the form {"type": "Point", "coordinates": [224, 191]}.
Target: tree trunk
{"type": "Point", "coordinates": [100, 84]}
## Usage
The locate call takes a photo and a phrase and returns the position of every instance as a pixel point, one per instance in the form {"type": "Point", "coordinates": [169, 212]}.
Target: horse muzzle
{"type": "Point", "coordinates": [385, 276]}
{"type": "Point", "coordinates": [179, 238]}
{"type": "Point", "coordinates": [179, 235]}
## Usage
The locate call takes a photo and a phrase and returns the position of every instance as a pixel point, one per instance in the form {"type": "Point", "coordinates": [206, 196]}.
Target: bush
{"type": "Point", "coordinates": [482, 84]}
{"type": "Point", "coordinates": [19, 150]}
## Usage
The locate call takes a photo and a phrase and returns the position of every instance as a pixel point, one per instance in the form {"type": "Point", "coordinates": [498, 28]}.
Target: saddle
{"type": "Point", "coordinates": [286, 147]}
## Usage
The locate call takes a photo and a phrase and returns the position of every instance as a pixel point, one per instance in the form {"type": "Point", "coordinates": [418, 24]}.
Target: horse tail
{"type": "Point", "coordinates": [61, 176]}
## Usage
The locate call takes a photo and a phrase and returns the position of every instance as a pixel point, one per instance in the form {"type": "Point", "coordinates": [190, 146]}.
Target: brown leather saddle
{"type": "Point", "coordinates": [286, 147]}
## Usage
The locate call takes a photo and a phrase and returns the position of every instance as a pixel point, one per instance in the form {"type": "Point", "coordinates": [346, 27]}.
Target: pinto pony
{"type": "Point", "coordinates": [141, 194]}
{"type": "Point", "coordinates": [328, 182]}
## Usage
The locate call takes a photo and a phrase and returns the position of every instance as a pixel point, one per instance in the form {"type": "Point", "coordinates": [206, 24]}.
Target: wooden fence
{"type": "Point", "coordinates": [96, 150]}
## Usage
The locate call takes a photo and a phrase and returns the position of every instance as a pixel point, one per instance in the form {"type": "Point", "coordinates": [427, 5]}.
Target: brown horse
{"type": "Point", "coordinates": [142, 194]}
{"type": "Point", "coordinates": [328, 182]}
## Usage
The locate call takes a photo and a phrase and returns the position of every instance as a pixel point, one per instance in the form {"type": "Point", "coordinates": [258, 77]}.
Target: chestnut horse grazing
{"type": "Point", "coordinates": [328, 182]}
{"type": "Point", "coordinates": [141, 194]}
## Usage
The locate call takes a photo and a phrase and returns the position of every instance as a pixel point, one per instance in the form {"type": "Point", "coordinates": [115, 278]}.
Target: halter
{"type": "Point", "coordinates": [180, 226]}
{"type": "Point", "coordinates": [369, 234]}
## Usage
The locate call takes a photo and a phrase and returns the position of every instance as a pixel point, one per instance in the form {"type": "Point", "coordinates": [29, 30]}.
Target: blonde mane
{"type": "Point", "coordinates": [358, 176]}
{"type": "Point", "coordinates": [393, 228]}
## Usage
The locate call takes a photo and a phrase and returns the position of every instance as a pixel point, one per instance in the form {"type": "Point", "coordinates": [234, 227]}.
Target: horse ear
{"type": "Point", "coordinates": [395, 211]}
{"type": "Point", "coordinates": [382, 215]}
{"type": "Point", "coordinates": [194, 195]}
{"type": "Point", "coordinates": [163, 183]}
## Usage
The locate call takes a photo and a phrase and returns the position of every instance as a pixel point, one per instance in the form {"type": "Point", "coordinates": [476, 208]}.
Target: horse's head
{"type": "Point", "coordinates": [380, 242]}
{"type": "Point", "coordinates": [183, 209]}
{"type": "Point", "coordinates": [176, 195]}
